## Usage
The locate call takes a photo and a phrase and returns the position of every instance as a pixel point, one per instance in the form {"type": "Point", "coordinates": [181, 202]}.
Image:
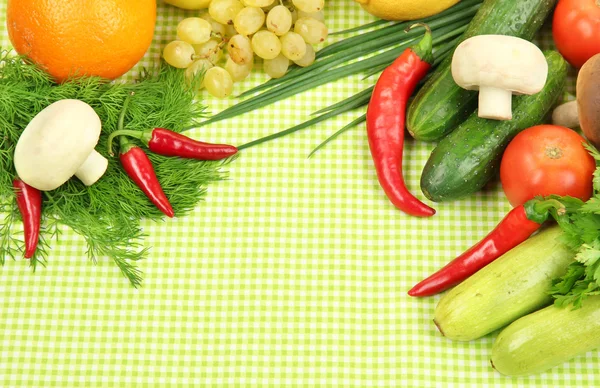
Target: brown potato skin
{"type": "Point", "coordinates": [588, 99]}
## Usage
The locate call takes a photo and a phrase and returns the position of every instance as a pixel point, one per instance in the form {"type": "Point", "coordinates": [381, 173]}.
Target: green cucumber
{"type": "Point", "coordinates": [513, 285]}
{"type": "Point", "coordinates": [547, 338]}
{"type": "Point", "coordinates": [441, 104]}
{"type": "Point", "coordinates": [465, 160]}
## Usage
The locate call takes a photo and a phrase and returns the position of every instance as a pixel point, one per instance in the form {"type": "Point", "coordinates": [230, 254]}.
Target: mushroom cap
{"type": "Point", "coordinates": [55, 143]}
{"type": "Point", "coordinates": [500, 61]}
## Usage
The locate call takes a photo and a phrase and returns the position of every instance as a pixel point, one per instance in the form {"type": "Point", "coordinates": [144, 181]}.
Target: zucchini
{"type": "Point", "coordinates": [515, 284]}
{"type": "Point", "coordinates": [465, 160]}
{"type": "Point", "coordinates": [547, 338]}
{"type": "Point", "coordinates": [441, 105]}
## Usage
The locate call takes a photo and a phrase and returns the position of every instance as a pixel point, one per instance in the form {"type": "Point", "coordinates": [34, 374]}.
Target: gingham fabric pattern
{"type": "Point", "coordinates": [293, 272]}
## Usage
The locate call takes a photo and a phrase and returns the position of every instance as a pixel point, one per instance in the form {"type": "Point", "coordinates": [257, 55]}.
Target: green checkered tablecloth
{"type": "Point", "coordinates": [293, 272]}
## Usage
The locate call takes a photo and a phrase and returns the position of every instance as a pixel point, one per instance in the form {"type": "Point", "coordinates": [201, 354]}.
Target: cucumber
{"type": "Point", "coordinates": [465, 160]}
{"type": "Point", "coordinates": [515, 284]}
{"type": "Point", "coordinates": [547, 338]}
{"type": "Point", "coordinates": [441, 104]}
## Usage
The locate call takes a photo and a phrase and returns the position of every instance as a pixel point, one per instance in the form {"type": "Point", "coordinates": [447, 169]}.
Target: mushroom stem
{"type": "Point", "coordinates": [566, 115]}
{"type": "Point", "coordinates": [92, 169]}
{"type": "Point", "coordinates": [495, 103]}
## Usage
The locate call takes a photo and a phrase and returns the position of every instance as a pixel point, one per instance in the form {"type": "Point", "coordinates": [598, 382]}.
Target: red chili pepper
{"type": "Point", "coordinates": [29, 202]}
{"type": "Point", "coordinates": [139, 168]}
{"type": "Point", "coordinates": [516, 227]}
{"type": "Point", "coordinates": [169, 143]}
{"type": "Point", "coordinates": [386, 121]}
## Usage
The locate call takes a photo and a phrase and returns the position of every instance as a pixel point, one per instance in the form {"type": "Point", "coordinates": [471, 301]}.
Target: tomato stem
{"type": "Point", "coordinates": [554, 152]}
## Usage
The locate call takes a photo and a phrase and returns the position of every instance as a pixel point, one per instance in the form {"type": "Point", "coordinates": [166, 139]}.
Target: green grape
{"type": "Point", "coordinates": [216, 26]}
{"type": "Point", "coordinates": [293, 46]}
{"type": "Point", "coordinates": [308, 58]}
{"type": "Point", "coordinates": [276, 67]}
{"type": "Point", "coordinates": [224, 11]}
{"type": "Point", "coordinates": [238, 72]}
{"type": "Point", "coordinates": [279, 20]}
{"type": "Point", "coordinates": [194, 30]}
{"type": "Point", "coordinates": [179, 54]}
{"type": "Point", "coordinates": [311, 30]}
{"type": "Point", "coordinates": [270, 6]}
{"type": "Point", "coordinates": [266, 44]}
{"type": "Point", "coordinates": [240, 49]}
{"type": "Point", "coordinates": [249, 20]}
{"type": "Point", "coordinates": [320, 16]}
{"type": "Point", "coordinates": [257, 3]}
{"type": "Point", "coordinates": [218, 82]}
{"type": "Point", "coordinates": [230, 31]}
{"type": "Point", "coordinates": [211, 50]}
{"type": "Point", "coordinates": [197, 68]}
{"type": "Point", "coordinates": [309, 5]}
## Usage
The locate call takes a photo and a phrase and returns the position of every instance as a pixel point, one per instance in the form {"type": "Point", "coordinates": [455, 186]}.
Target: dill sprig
{"type": "Point", "coordinates": [108, 213]}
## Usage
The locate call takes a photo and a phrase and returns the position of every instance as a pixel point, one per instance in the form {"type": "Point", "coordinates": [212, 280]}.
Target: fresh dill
{"type": "Point", "coordinates": [108, 213]}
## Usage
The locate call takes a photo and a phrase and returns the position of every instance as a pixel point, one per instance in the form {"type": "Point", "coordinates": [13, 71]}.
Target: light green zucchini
{"type": "Point", "coordinates": [547, 338]}
{"type": "Point", "coordinates": [510, 287]}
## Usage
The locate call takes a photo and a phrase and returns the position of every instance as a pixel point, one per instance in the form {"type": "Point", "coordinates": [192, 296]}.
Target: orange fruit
{"type": "Point", "coordinates": [104, 38]}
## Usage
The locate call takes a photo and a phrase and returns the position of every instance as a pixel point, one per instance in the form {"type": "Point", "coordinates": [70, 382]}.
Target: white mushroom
{"type": "Point", "coordinates": [499, 66]}
{"type": "Point", "coordinates": [59, 143]}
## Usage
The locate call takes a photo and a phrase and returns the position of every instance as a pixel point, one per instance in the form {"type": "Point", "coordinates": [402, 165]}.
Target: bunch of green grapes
{"type": "Point", "coordinates": [223, 43]}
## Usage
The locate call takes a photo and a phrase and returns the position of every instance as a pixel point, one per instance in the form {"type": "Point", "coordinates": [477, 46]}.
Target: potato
{"type": "Point", "coordinates": [588, 99]}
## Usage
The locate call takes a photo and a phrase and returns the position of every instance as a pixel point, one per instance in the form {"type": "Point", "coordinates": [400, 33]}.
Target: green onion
{"type": "Point", "coordinates": [341, 107]}
{"type": "Point", "coordinates": [363, 27]}
{"type": "Point", "coordinates": [365, 95]}
{"type": "Point", "coordinates": [461, 8]}
{"type": "Point", "coordinates": [359, 120]}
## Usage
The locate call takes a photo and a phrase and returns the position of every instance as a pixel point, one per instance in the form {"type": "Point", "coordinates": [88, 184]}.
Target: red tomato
{"type": "Point", "coordinates": [576, 30]}
{"type": "Point", "coordinates": [545, 160]}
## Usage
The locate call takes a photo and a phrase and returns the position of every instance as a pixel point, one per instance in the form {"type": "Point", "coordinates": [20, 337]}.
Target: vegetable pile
{"type": "Point", "coordinates": [483, 93]}
{"type": "Point", "coordinates": [108, 213]}
{"type": "Point", "coordinates": [466, 104]}
{"type": "Point", "coordinates": [511, 278]}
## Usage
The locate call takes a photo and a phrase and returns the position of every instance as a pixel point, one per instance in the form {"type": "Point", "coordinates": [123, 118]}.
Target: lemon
{"type": "Point", "coordinates": [189, 4]}
{"type": "Point", "coordinates": [405, 9]}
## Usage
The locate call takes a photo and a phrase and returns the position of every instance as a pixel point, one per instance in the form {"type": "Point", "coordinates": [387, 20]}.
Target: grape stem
{"type": "Point", "coordinates": [217, 35]}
